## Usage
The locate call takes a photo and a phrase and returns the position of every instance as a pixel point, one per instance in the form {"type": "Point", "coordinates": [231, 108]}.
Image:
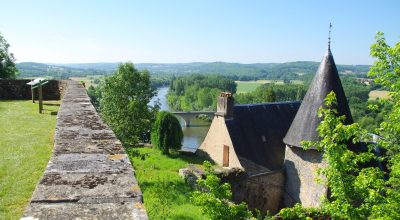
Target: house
{"type": "Point", "coordinates": [264, 141]}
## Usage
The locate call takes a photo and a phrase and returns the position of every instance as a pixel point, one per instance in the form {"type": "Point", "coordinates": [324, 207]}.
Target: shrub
{"type": "Point", "coordinates": [167, 132]}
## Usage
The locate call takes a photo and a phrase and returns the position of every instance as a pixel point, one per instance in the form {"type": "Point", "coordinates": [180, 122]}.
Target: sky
{"type": "Point", "coordinates": [181, 31]}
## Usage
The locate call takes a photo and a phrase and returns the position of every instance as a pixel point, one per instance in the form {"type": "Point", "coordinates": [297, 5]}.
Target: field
{"type": "Point", "coordinates": [26, 144]}
{"type": "Point", "coordinates": [165, 193]}
{"type": "Point", "coordinates": [378, 94]}
{"type": "Point", "coordinates": [249, 86]}
{"type": "Point", "coordinates": [88, 80]}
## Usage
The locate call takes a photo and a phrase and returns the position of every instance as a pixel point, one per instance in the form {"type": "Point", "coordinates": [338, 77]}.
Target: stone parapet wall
{"type": "Point", "coordinates": [89, 175]}
{"type": "Point", "coordinates": [19, 90]}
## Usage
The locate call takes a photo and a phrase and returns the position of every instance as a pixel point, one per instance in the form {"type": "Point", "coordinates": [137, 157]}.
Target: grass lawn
{"type": "Point", "coordinates": [26, 144]}
{"type": "Point", "coordinates": [165, 193]}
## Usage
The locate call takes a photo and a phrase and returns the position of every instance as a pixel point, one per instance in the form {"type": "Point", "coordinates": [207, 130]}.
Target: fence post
{"type": "Point", "coordinates": [40, 97]}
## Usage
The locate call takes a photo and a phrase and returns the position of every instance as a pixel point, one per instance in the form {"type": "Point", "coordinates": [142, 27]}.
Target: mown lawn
{"type": "Point", "coordinates": [165, 193]}
{"type": "Point", "coordinates": [26, 144]}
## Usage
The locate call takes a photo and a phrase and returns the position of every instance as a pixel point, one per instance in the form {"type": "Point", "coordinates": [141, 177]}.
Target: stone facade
{"type": "Point", "coordinates": [301, 172]}
{"type": "Point", "coordinates": [18, 90]}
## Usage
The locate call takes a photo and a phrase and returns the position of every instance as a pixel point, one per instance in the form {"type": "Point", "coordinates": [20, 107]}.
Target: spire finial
{"type": "Point", "coordinates": [329, 37]}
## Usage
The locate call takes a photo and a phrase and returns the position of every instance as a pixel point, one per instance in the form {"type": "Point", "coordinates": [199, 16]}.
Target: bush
{"type": "Point", "coordinates": [167, 132]}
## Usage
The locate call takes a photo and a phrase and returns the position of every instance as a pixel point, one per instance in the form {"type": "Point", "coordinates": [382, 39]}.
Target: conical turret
{"type": "Point", "coordinates": [306, 121]}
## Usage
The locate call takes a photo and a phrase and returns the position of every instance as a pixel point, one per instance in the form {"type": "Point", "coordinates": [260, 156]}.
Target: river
{"type": "Point", "coordinates": [192, 136]}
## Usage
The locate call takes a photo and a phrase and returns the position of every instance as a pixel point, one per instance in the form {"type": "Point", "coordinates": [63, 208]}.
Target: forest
{"type": "Point", "coordinates": [198, 92]}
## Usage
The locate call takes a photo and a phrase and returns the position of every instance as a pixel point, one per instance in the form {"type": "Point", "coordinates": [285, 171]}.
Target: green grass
{"type": "Point", "coordinates": [245, 87]}
{"type": "Point", "coordinates": [25, 148]}
{"type": "Point", "coordinates": [165, 193]}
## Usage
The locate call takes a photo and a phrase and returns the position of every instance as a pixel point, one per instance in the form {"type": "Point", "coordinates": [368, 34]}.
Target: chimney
{"type": "Point", "coordinates": [225, 105]}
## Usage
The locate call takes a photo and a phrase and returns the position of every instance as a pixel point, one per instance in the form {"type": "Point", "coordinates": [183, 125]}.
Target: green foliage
{"type": "Point", "coordinates": [215, 198]}
{"type": "Point", "coordinates": [198, 92]}
{"type": "Point", "coordinates": [354, 187]}
{"type": "Point", "coordinates": [272, 93]}
{"type": "Point", "coordinates": [124, 103]}
{"type": "Point", "coordinates": [167, 132]}
{"type": "Point", "coordinates": [386, 70]}
{"type": "Point", "coordinates": [299, 212]}
{"type": "Point", "coordinates": [95, 96]}
{"type": "Point", "coordinates": [8, 70]}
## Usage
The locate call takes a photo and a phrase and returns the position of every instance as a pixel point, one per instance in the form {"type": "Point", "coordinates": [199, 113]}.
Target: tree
{"type": "Point", "coordinates": [167, 132]}
{"type": "Point", "coordinates": [386, 70]}
{"type": "Point", "coordinates": [268, 95]}
{"type": "Point", "coordinates": [124, 103]}
{"type": "Point", "coordinates": [8, 70]}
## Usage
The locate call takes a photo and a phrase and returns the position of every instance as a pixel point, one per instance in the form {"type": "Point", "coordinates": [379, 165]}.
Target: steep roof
{"type": "Point", "coordinates": [305, 124]}
{"type": "Point", "coordinates": [257, 131]}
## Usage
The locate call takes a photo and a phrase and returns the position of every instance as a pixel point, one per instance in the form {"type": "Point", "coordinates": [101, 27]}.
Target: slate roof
{"type": "Point", "coordinates": [304, 126]}
{"type": "Point", "coordinates": [257, 131]}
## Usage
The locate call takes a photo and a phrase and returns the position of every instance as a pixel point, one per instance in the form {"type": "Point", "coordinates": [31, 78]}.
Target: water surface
{"type": "Point", "coordinates": [192, 136]}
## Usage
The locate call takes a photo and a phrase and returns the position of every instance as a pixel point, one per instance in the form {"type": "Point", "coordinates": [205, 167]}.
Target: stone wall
{"type": "Point", "coordinates": [18, 90]}
{"type": "Point", "coordinates": [263, 191]}
{"type": "Point", "coordinates": [89, 175]}
{"type": "Point", "coordinates": [301, 172]}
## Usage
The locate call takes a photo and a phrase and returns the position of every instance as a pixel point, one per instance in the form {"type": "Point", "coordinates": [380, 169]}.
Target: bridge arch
{"type": "Point", "coordinates": [188, 116]}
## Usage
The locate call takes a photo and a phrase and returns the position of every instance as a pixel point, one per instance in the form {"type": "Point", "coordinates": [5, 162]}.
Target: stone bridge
{"type": "Point", "coordinates": [188, 116]}
{"type": "Point", "coordinates": [89, 175]}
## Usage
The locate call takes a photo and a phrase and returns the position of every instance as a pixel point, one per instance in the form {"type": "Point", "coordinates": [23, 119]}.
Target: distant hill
{"type": "Point", "coordinates": [290, 70]}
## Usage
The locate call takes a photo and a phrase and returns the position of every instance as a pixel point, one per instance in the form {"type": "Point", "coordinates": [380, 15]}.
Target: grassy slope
{"type": "Point", "coordinates": [25, 147]}
{"type": "Point", "coordinates": [165, 192]}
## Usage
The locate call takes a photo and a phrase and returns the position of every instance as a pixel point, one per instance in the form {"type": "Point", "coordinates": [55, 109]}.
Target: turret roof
{"type": "Point", "coordinates": [306, 121]}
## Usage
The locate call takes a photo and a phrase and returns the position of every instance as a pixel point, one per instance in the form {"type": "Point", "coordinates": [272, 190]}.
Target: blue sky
{"type": "Point", "coordinates": [165, 31]}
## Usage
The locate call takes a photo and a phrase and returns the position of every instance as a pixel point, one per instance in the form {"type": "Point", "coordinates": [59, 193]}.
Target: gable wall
{"type": "Point", "coordinates": [214, 142]}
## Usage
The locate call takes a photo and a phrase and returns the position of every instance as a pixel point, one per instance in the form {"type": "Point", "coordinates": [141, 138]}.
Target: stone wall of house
{"type": "Point", "coordinates": [300, 173]}
{"type": "Point", "coordinates": [19, 90]}
{"type": "Point", "coordinates": [263, 191]}
{"type": "Point", "coordinates": [213, 144]}
{"type": "Point", "coordinates": [89, 175]}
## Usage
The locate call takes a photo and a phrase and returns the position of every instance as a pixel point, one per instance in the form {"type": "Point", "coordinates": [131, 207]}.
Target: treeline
{"type": "Point", "coordinates": [198, 92]}
{"type": "Point", "coordinates": [302, 70]}
{"type": "Point", "coordinates": [30, 69]}
{"type": "Point", "coordinates": [272, 93]}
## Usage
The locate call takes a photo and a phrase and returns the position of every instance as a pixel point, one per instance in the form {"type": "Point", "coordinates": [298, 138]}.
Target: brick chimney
{"type": "Point", "coordinates": [225, 105]}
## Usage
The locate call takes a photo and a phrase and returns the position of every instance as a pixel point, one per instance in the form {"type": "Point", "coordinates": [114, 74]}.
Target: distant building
{"type": "Point", "coordinates": [264, 141]}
